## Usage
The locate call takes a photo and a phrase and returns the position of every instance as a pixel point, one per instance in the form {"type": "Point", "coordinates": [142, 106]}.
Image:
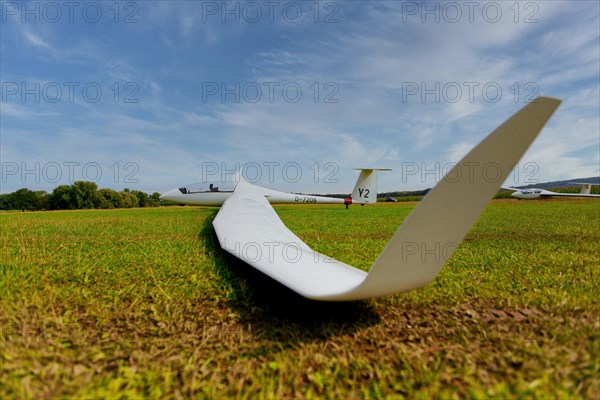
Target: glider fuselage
{"type": "Point", "coordinates": [217, 198]}
{"type": "Point", "coordinates": [216, 193]}
{"type": "Point", "coordinates": [533, 194]}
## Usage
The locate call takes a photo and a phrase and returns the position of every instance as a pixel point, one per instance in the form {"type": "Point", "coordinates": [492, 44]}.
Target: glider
{"type": "Point", "coordinates": [248, 227]}
{"type": "Point", "coordinates": [209, 194]}
{"type": "Point", "coordinates": [534, 193]}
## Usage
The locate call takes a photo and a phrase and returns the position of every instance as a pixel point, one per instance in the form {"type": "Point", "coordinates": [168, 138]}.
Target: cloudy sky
{"type": "Point", "coordinates": [153, 94]}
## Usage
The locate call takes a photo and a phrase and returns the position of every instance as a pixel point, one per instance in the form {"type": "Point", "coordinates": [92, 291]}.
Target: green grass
{"type": "Point", "coordinates": [144, 303]}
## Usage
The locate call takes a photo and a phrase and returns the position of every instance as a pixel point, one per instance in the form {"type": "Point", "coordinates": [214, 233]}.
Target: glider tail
{"type": "Point", "coordinates": [586, 188]}
{"type": "Point", "coordinates": [365, 190]}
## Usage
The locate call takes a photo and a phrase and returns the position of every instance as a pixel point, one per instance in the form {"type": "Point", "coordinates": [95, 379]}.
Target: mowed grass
{"type": "Point", "coordinates": [144, 303]}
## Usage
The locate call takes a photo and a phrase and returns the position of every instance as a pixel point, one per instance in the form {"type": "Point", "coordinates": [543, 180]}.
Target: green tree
{"type": "Point", "coordinates": [79, 195]}
{"type": "Point", "coordinates": [60, 198]}
{"type": "Point", "coordinates": [5, 201]}
{"type": "Point", "coordinates": [110, 198]}
{"type": "Point", "coordinates": [85, 195]}
{"type": "Point", "coordinates": [130, 200]}
{"type": "Point", "coordinates": [142, 198]}
{"type": "Point", "coordinates": [42, 200]}
{"type": "Point", "coordinates": [25, 200]}
{"type": "Point", "coordinates": [155, 199]}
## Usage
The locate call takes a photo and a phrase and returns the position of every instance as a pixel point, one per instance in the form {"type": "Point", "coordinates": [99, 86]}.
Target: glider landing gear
{"type": "Point", "coordinates": [347, 201]}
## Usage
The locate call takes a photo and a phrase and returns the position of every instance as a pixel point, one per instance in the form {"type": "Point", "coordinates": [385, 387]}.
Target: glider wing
{"type": "Point", "coordinates": [248, 227]}
{"type": "Point", "coordinates": [558, 194]}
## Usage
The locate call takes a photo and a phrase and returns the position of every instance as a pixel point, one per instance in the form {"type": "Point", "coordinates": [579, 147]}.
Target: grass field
{"type": "Point", "coordinates": [144, 303]}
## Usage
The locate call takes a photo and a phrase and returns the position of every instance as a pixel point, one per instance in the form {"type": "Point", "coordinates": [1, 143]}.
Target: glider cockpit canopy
{"type": "Point", "coordinates": [209, 187]}
{"type": "Point", "coordinates": [529, 191]}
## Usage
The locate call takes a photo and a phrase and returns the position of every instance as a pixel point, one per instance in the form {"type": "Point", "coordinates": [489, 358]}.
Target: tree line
{"type": "Point", "coordinates": [79, 195]}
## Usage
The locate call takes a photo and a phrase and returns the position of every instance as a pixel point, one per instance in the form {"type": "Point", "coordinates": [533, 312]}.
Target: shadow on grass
{"type": "Point", "coordinates": [276, 312]}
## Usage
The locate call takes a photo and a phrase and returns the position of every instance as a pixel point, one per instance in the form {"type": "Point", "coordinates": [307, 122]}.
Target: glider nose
{"type": "Point", "coordinates": [171, 195]}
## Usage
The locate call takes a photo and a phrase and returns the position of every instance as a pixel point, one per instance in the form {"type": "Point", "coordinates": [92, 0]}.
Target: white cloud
{"type": "Point", "coordinates": [37, 41]}
{"type": "Point", "coordinates": [457, 151]}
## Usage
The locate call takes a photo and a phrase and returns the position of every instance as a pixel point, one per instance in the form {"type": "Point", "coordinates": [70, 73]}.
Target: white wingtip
{"type": "Point", "coordinates": [431, 233]}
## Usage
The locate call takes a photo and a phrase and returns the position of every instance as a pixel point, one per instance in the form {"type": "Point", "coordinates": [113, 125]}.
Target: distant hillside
{"type": "Point", "coordinates": [566, 183]}
{"type": "Point", "coordinates": [404, 195]}
{"type": "Point", "coordinates": [570, 183]}
{"type": "Point", "coordinates": [418, 194]}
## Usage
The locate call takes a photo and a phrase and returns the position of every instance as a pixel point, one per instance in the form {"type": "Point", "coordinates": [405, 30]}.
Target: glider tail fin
{"type": "Point", "coordinates": [586, 188]}
{"type": "Point", "coordinates": [365, 190]}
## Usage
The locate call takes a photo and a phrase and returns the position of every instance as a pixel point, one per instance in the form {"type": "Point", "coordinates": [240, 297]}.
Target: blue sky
{"type": "Point", "coordinates": [153, 94]}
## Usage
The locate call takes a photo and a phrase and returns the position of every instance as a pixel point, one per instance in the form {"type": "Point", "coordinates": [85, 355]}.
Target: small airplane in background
{"type": "Point", "coordinates": [248, 227]}
{"type": "Point", "coordinates": [534, 193]}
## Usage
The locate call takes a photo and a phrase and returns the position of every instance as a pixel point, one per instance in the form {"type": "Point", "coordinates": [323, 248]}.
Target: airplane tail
{"type": "Point", "coordinates": [586, 187]}
{"type": "Point", "coordinates": [365, 190]}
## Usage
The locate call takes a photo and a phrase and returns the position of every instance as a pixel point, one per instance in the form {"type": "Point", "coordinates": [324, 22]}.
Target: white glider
{"type": "Point", "coordinates": [248, 227]}
{"type": "Point", "coordinates": [216, 193]}
{"type": "Point", "coordinates": [534, 193]}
